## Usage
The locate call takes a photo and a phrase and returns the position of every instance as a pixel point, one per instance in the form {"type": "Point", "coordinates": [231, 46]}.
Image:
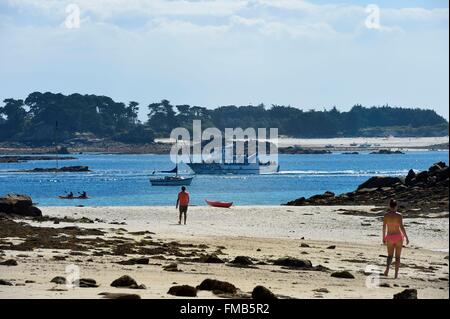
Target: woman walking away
{"type": "Point", "coordinates": [393, 234]}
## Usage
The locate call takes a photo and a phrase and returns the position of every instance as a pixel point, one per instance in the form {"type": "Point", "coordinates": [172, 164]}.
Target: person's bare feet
{"type": "Point", "coordinates": [386, 273]}
{"type": "Point", "coordinates": [179, 222]}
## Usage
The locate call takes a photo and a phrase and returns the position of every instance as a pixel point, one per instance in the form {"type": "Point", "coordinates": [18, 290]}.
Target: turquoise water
{"type": "Point", "coordinates": [118, 180]}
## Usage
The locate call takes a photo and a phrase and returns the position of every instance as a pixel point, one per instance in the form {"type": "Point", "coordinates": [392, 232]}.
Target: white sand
{"type": "Point", "coordinates": [276, 231]}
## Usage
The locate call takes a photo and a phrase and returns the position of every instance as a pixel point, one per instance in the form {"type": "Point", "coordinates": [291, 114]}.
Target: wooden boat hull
{"type": "Point", "coordinates": [219, 204]}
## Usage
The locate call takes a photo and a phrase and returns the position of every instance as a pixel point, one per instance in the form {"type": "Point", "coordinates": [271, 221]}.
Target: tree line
{"type": "Point", "coordinates": [43, 117]}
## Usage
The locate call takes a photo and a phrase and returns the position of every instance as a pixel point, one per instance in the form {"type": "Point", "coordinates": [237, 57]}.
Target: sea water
{"type": "Point", "coordinates": [123, 180]}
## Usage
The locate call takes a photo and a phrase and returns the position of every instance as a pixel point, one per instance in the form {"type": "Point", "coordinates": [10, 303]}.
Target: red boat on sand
{"type": "Point", "coordinates": [218, 204]}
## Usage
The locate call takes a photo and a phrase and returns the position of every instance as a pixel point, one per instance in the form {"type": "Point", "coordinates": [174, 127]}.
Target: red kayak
{"type": "Point", "coordinates": [218, 204]}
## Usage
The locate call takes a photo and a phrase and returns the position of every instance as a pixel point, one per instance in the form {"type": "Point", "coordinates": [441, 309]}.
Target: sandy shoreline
{"type": "Point", "coordinates": [263, 233]}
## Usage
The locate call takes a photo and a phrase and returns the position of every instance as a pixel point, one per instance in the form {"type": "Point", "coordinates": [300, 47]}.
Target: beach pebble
{"type": "Point", "coordinates": [343, 274]}
{"type": "Point", "coordinates": [9, 262]}
{"type": "Point", "coordinates": [110, 295]}
{"type": "Point", "coordinates": [406, 294]}
{"type": "Point", "coordinates": [303, 245]}
{"type": "Point", "coordinates": [217, 286]}
{"type": "Point", "coordinates": [385, 285]}
{"type": "Point", "coordinates": [331, 247]}
{"type": "Point", "coordinates": [262, 293]}
{"type": "Point", "coordinates": [183, 291]}
{"type": "Point", "coordinates": [59, 280]}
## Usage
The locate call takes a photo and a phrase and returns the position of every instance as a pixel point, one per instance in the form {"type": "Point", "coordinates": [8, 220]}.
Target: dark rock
{"type": "Point", "coordinates": [21, 205]}
{"type": "Point", "coordinates": [4, 282]}
{"type": "Point", "coordinates": [71, 169]}
{"type": "Point", "coordinates": [303, 245]}
{"type": "Point", "coordinates": [124, 281]}
{"type": "Point", "coordinates": [135, 261]}
{"type": "Point", "coordinates": [343, 274]}
{"type": "Point", "coordinates": [210, 259]}
{"type": "Point", "coordinates": [9, 262]}
{"type": "Point", "coordinates": [331, 247]}
{"type": "Point", "coordinates": [422, 177]}
{"type": "Point", "coordinates": [172, 267]}
{"type": "Point", "coordinates": [183, 291]}
{"type": "Point", "coordinates": [110, 295]}
{"type": "Point", "coordinates": [379, 182]}
{"type": "Point", "coordinates": [86, 283]}
{"type": "Point", "coordinates": [411, 175]}
{"type": "Point", "coordinates": [406, 294]}
{"type": "Point", "coordinates": [217, 286]}
{"type": "Point", "coordinates": [387, 152]}
{"type": "Point", "coordinates": [293, 262]}
{"type": "Point", "coordinates": [262, 293]}
{"type": "Point", "coordinates": [242, 260]}
{"type": "Point", "coordinates": [59, 280]}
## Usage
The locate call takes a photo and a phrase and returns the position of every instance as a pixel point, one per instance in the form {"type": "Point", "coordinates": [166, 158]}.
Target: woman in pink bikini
{"type": "Point", "coordinates": [393, 234]}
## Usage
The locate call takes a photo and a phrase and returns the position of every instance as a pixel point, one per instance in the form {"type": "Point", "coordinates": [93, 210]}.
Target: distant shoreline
{"type": "Point", "coordinates": [163, 146]}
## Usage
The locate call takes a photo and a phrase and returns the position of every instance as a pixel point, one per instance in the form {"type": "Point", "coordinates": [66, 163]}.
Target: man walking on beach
{"type": "Point", "coordinates": [183, 203]}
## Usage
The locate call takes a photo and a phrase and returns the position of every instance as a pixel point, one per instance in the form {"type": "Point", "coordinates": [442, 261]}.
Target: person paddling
{"type": "Point", "coordinates": [393, 234]}
{"type": "Point", "coordinates": [183, 203]}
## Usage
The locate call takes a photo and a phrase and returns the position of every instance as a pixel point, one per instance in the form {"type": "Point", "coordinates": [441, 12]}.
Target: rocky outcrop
{"type": "Point", "coordinates": [300, 150]}
{"type": "Point", "coordinates": [67, 169]}
{"type": "Point", "coordinates": [20, 159]}
{"type": "Point", "coordinates": [418, 193]}
{"type": "Point", "coordinates": [387, 152]}
{"type": "Point", "coordinates": [21, 205]}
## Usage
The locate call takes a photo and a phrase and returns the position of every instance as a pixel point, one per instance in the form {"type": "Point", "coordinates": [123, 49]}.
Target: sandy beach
{"type": "Point", "coordinates": [331, 238]}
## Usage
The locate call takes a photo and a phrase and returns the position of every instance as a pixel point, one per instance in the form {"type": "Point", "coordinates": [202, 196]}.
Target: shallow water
{"type": "Point", "coordinates": [123, 179]}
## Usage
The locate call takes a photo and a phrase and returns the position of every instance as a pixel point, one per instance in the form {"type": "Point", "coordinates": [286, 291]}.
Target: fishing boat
{"type": "Point", "coordinates": [218, 203]}
{"type": "Point", "coordinates": [239, 165]}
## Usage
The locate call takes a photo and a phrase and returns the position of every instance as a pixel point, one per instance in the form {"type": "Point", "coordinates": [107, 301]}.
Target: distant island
{"type": "Point", "coordinates": [44, 119]}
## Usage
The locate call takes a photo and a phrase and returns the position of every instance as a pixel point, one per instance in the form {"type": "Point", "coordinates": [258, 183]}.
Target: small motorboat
{"type": "Point", "coordinates": [218, 203]}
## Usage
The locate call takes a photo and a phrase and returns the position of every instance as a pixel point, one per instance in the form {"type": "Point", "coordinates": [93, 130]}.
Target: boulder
{"type": "Point", "coordinates": [411, 175]}
{"type": "Point", "coordinates": [380, 182]}
{"type": "Point", "coordinates": [406, 294]}
{"type": "Point", "coordinates": [210, 259]}
{"type": "Point", "coordinates": [135, 261]}
{"type": "Point", "coordinates": [183, 291]}
{"type": "Point", "coordinates": [86, 283]}
{"type": "Point", "coordinates": [124, 281]}
{"type": "Point", "coordinates": [59, 280]}
{"type": "Point", "coordinates": [4, 282]}
{"type": "Point", "coordinates": [422, 177]}
{"type": "Point", "coordinates": [242, 260]}
{"type": "Point", "coordinates": [21, 205]}
{"type": "Point", "coordinates": [293, 262]}
{"type": "Point", "coordinates": [262, 293]}
{"type": "Point", "coordinates": [217, 286]}
{"type": "Point", "coordinates": [343, 274]}
{"type": "Point", "coordinates": [9, 262]}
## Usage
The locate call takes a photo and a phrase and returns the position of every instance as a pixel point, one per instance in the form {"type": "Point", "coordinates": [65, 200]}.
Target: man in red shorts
{"type": "Point", "coordinates": [183, 203]}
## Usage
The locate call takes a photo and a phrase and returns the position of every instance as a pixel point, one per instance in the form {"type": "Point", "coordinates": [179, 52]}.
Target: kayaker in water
{"type": "Point", "coordinates": [183, 203]}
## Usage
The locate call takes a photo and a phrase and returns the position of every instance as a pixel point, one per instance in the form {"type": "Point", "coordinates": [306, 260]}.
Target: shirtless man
{"type": "Point", "coordinates": [393, 234]}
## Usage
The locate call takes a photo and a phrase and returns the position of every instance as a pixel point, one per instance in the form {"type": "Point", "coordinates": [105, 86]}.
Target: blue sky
{"type": "Point", "coordinates": [307, 54]}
